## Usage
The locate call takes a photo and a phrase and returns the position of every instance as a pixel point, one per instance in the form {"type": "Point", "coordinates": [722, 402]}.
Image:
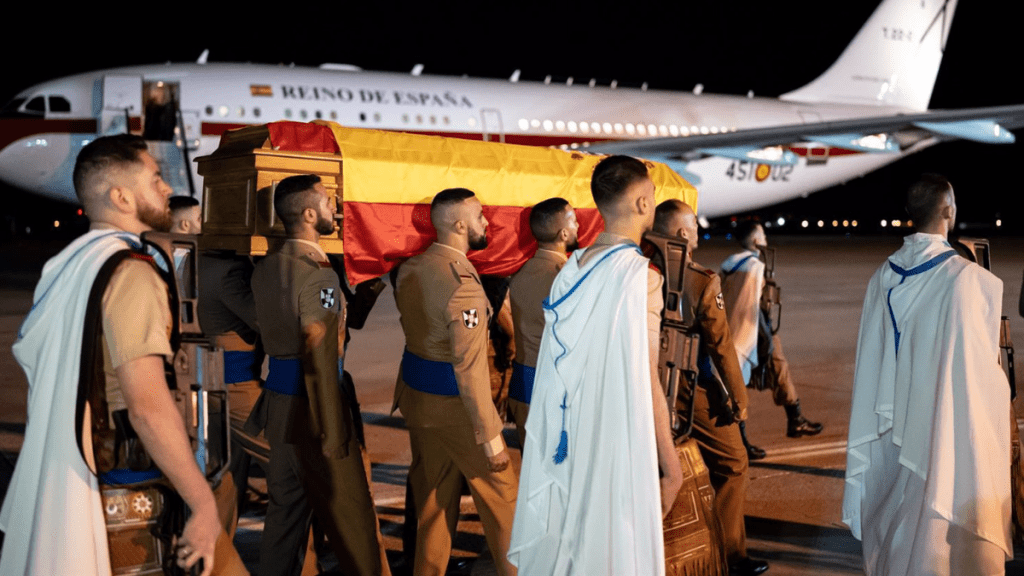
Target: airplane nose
{"type": "Point", "coordinates": [42, 163]}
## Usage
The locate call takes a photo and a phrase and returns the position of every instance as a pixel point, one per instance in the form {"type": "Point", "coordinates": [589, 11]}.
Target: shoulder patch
{"type": "Point", "coordinates": [327, 298]}
{"type": "Point", "coordinates": [720, 301]}
{"type": "Point", "coordinates": [470, 318]}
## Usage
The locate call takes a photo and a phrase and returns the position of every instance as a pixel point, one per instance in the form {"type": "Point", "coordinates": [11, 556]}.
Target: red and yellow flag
{"type": "Point", "coordinates": [389, 179]}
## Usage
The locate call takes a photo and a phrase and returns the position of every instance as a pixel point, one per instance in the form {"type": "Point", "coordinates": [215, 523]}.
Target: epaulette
{"type": "Point", "coordinates": [141, 256]}
{"type": "Point", "coordinates": [705, 271]}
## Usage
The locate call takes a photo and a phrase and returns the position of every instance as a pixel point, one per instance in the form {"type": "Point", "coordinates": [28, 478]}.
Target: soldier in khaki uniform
{"type": "Point", "coordinates": [315, 456]}
{"type": "Point", "coordinates": [553, 224]}
{"type": "Point", "coordinates": [715, 427]}
{"type": "Point", "coordinates": [443, 387]}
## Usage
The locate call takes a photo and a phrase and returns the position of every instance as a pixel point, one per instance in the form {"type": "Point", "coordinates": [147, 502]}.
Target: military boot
{"type": "Point", "coordinates": [798, 425]}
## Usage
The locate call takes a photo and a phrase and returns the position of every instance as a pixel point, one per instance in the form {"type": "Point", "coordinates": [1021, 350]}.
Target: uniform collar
{"type": "Point", "coordinates": [551, 255]}
{"type": "Point", "coordinates": [453, 254]}
{"type": "Point", "coordinates": [306, 244]}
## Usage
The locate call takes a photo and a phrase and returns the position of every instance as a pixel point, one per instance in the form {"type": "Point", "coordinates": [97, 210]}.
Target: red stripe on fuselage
{"type": "Point", "coordinates": [804, 151]}
{"type": "Point", "coordinates": [15, 129]}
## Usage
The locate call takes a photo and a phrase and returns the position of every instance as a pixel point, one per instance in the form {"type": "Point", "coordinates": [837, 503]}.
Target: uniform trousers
{"type": "Point", "coordinates": [784, 393]}
{"type": "Point", "coordinates": [286, 527]}
{"type": "Point", "coordinates": [299, 476]}
{"type": "Point", "coordinates": [726, 458]}
{"type": "Point", "coordinates": [441, 456]}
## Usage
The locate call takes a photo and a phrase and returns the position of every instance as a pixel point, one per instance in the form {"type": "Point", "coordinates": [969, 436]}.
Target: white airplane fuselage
{"type": "Point", "coordinates": [37, 153]}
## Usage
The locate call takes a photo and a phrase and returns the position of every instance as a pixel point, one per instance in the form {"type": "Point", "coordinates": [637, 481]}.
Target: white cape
{"type": "Point", "coordinates": [52, 517]}
{"type": "Point", "coordinates": [599, 511]}
{"type": "Point", "coordinates": [742, 282]}
{"type": "Point", "coordinates": [942, 396]}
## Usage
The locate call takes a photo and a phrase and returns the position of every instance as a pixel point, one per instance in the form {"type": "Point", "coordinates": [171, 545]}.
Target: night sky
{"type": "Point", "coordinates": [729, 47]}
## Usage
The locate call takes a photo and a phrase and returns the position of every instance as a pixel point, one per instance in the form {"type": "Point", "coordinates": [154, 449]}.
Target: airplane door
{"type": "Point", "coordinates": [492, 128]}
{"type": "Point", "coordinates": [191, 123]}
{"type": "Point", "coordinates": [122, 100]}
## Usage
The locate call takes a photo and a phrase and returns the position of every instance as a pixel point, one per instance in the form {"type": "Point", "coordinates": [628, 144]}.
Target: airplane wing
{"type": "Point", "coordinates": [989, 125]}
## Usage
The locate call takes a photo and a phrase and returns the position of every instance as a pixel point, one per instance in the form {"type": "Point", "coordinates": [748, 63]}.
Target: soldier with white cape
{"type": "Point", "coordinates": [928, 457]}
{"type": "Point", "coordinates": [598, 427]}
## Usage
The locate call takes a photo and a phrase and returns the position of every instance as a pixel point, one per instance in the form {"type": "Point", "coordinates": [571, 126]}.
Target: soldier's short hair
{"type": "Point", "coordinates": [925, 197]}
{"type": "Point", "coordinates": [182, 203]}
{"type": "Point", "coordinates": [292, 196]}
{"type": "Point", "coordinates": [449, 197]}
{"type": "Point", "coordinates": [103, 154]}
{"type": "Point", "coordinates": [612, 176]}
{"type": "Point", "coordinates": [664, 213]}
{"type": "Point", "coordinates": [446, 199]}
{"type": "Point", "coordinates": [544, 219]}
{"type": "Point", "coordinates": [745, 229]}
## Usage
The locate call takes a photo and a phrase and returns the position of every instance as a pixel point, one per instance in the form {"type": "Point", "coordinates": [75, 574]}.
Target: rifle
{"type": "Point", "coordinates": [771, 294]}
{"type": "Point", "coordinates": [679, 344]}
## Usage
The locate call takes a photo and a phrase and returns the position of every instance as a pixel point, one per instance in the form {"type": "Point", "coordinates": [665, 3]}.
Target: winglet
{"type": "Point", "coordinates": [203, 57]}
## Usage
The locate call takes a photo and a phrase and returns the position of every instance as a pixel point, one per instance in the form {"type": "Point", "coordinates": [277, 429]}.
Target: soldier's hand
{"type": "Point", "coordinates": [739, 414]}
{"type": "Point", "coordinates": [669, 490]}
{"type": "Point", "coordinates": [498, 462]}
{"type": "Point", "coordinates": [199, 540]}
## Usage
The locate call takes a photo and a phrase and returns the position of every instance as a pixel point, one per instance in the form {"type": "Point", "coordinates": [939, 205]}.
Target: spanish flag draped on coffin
{"type": "Point", "coordinates": [389, 178]}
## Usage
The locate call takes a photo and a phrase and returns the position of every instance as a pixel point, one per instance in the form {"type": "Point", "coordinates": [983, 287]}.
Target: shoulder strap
{"type": "Point", "coordinates": [91, 378]}
{"type": "Point", "coordinates": [737, 266]}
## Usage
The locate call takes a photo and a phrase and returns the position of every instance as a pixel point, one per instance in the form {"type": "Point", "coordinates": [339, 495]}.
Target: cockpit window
{"type": "Point", "coordinates": [36, 105]}
{"type": "Point", "coordinates": [59, 104]}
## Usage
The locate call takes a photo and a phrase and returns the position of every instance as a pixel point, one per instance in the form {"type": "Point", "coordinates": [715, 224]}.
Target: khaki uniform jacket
{"type": "Point", "coordinates": [704, 308]}
{"type": "Point", "coordinates": [445, 315]}
{"type": "Point", "coordinates": [295, 287]}
{"type": "Point", "coordinates": [527, 291]}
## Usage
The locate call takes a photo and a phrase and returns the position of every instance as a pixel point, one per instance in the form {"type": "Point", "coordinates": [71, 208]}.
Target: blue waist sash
{"type": "Point", "coordinates": [520, 387]}
{"type": "Point", "coordinates": [429, 376]}
{"type": "Point", "coordinates": [240, 366]}
{"type": "Point", "coordinates": [286, 377]}
{"type": "Point", "coordinates": [121, 476]}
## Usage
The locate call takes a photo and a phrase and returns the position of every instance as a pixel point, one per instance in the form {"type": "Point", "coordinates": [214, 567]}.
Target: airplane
{"type": "Point", "coordinates": [869, 109]}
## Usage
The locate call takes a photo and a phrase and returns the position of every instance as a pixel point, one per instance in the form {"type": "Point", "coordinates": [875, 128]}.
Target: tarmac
{"type": "Point", "coordinates": [793, 513]}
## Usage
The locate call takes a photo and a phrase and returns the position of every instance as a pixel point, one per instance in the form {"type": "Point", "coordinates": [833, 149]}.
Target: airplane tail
{"type": "Point", "coordinates": [892, 61]}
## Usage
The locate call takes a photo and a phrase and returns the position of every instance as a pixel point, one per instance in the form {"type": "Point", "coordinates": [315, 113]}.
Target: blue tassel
{"type": "Point", "coordinates": [563, 442]}
{"type": "Point", "coordinates": [563, 448]}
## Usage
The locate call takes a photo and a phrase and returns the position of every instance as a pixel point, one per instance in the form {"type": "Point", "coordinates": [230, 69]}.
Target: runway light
{"type": "Point", "coordinates": [835, 224]}
{"type": "Point", "coordinates": [803, 224]}
{"type": "Point", "coordinates": [896, 223]}
{"type": "Point", "coordinates": [999, 222]}
{"type": "Point", "coordinates": [909, 223]}
{"type": "Point", "coordinates": [56, 223]}
{"type": "Point", "coordinates": [854, 223]}
{"type": "Point", "coordinates": [821, 224]}
{"type": "Point", "coordinates": [846, 223]}
{"type": "Point", "coordinates": [781, 221]}
{"type": "Point", "coordinates": [79, 211]}
{"type": "Point", "coordinates": [884, 223]}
